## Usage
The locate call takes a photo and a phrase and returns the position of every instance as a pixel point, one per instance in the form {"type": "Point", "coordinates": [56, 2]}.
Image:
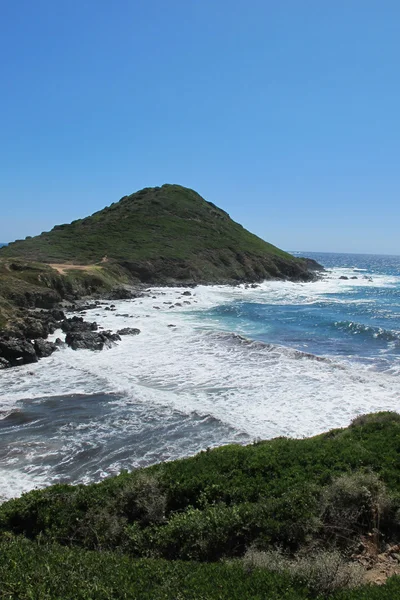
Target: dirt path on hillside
{"type": "Point", "coordinates": [62, 268]}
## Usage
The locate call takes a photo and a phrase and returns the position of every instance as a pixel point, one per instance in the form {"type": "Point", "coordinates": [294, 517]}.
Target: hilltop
{"type": "Point", "coordinates": [163, 235]}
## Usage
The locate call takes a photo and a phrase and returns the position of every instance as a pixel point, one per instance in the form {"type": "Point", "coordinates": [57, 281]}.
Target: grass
{"type": "Point", "coordinates": [50, 572]}
{"type": "Point", "coordinates": [165, 233]}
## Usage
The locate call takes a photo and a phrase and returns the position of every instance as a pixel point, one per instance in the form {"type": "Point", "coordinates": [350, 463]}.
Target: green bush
{"type": "Point", "coordinates": [356, 503]}
{"type": "Point", "coordinates": [142, 499]}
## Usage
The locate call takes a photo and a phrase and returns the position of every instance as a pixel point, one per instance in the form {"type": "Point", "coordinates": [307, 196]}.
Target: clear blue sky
{"type": "Point", "coordinates": [284, 113]}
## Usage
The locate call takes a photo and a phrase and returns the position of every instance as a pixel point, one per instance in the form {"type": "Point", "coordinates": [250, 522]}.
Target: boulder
{"type": "Point", "coordinates": [128, 331]}
{"type": "Point", "coordinates": [4, 364]}
{"type": "Point", "coordinates": [35, 328]}
{"type": "Point", "coordinates": [77, 324]}
{"type": "Point", "coordinates": [44, 348]}
{"type": "Point", "coordinates": [57, 314]}
{"type": "Point", "coordinates": [343, 277]}
{"type": "Point", "coordinates": [187, 294]}
{"type": "Point", "coordinates": [90, 340]}
{"type": "Point", "coordinates": [17, 351]}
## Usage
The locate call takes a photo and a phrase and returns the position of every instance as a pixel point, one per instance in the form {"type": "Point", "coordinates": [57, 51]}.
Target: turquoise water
{"type": "Point", "coordinates": [356, 318]}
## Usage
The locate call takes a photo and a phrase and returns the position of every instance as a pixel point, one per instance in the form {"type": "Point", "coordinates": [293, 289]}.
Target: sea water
{"type": "Point", "coordinates": [223, 365]}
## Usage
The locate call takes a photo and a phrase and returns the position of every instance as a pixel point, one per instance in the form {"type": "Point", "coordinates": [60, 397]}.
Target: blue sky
{"type": "Point", "coordinates": [286, 114]}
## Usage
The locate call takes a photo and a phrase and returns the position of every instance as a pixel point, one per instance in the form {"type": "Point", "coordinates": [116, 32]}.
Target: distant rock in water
{"type": "Point", "coordinates": [167, 234]}
{"type": "Point", "coordinates": [128, 331]}
{"type": "Point", "coordinates": [44, 348]}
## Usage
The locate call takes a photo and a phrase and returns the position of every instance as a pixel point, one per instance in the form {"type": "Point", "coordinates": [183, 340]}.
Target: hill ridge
{"type": "Point", "coordinates": [163, 235]}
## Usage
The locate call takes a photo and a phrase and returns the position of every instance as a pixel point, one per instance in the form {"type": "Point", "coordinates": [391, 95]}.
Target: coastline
{"type": "Point", "coordinates": [213, 379]}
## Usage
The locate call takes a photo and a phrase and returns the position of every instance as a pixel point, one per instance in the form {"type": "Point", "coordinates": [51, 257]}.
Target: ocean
{"type": "Point", "coordinates": [224, 365]}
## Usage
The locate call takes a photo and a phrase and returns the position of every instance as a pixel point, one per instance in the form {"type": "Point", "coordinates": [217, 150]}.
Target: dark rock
{"type": "Point", "coordinates": [128, 331]}
{"type": "Point", "coordinates": [82, 307]}
{"type": "Point", "coordinates": [125, 315]}
{"type": "Point", "coordinates": [89, 340]}
{"type": "Point", "coordinates": [354, 277]}
{"type": "Point", "coordinates": [77, 324]}
{"type": "Point", "coordinates": [178, 304]}
{"type": "Point", "coordinates": [35, 328]}
{"type": "Point", "coordinates": [36, 299]}
{"type": "Point", "coordinates": [187, 294]}
{"type": "Point", "coordinates": [123, 294]}
{"type": "Point", "coordinates": [343, 277]}
{"type": "Point", "coordinates": [4, 364]}
{"type": "Point", "coordinates": [312, 265]}
{"type": "Point", "coordinates": [59, 343]}
{"type": "Point", "coordinates": [186, 302]}
{"type": "Point", "coordinates": [44, 348]}
{"type": "Point", "coordinates": [107, 308]}
{"type": "Point", "coordinates": [57, 314]}
{"type": "Point", "coordinates": [156, 307]}
{"type": "Point", "coordinates": [17, 351]}
{"type": "Point", "coordinates": [170, 325]}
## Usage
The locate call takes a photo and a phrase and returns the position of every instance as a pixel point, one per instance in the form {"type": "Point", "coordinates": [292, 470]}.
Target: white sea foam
{"type": "Point", "coordinates": [255, 389]}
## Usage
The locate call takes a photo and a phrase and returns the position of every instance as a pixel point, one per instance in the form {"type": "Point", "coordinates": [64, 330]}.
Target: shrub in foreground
{"type": "Point", "coordinates": [355, 503]}
{"type": "Point", "coordinates": [323, 572]}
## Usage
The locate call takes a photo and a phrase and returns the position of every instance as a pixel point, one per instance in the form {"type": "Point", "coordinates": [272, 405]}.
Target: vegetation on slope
{"type": "Point", "coordinates": [51, 572]}
{"type": "Point", "coordinates": [164, 234]}
{"type": "Point", "coordinates": [328, 492]}
{"type": "Point", "coordinates": [27, 284]}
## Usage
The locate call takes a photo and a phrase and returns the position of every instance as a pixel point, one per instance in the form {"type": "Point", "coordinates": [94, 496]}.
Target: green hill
{"type": "Point", "coordinates": [163, 234]}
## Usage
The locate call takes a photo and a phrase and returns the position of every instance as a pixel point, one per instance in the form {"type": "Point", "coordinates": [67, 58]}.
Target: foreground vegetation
{"type": "Point", "coordinates": [162, 235]}
{"type": "Point", "coordinates": [276, 519]}
{"type": "Point", "coordinates": [30, 570]}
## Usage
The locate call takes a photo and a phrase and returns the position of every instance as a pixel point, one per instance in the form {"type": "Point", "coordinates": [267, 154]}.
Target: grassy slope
{"type": "Point", "coordinates": [168, 232]}
{"type": "Point", "coordinates": [43, 572]}
{"type": "Point", "coordinates": [30, 284]}
{"type": "Point", "coordinates": [214, 505]}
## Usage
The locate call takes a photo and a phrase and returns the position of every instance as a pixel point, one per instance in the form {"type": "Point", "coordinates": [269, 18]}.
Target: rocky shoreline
{"type": "Point", "coordinates": [25, 341]}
